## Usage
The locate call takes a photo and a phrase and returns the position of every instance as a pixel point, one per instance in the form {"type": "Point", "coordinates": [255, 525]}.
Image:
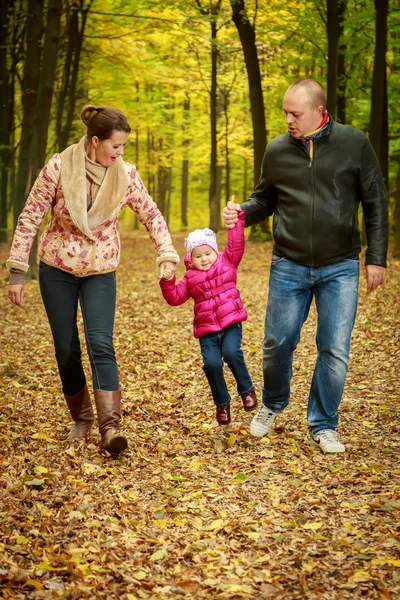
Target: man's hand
{"type": "Point", "coordinates": [16, 293]}
{"type": "Point", "coordinates": [375, 276]}
{"type": "Point", "coordinates": [229, 214]}
{"type": "Point", "coordinates": [167, 270]}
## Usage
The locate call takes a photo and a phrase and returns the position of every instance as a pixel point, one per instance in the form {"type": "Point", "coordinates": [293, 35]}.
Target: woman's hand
{"type": "Point", "coordinates": [16, 293]}
{"type": "Point", "coordinates": [167, 270]}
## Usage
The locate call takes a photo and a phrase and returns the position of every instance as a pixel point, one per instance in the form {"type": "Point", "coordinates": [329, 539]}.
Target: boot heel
{"type": "Point", "coordinates": [115, 442]}
{"type": "Point", "coordinates": [108, 406]}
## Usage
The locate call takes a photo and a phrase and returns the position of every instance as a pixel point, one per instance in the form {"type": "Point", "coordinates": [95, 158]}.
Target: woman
{"type": "Point", "coordinates": [86, 187]}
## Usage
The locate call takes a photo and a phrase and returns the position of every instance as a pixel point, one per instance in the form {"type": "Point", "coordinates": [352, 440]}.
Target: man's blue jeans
{"type": "Point", "coordinates": [291, 289]}
{"type": "Point", "coordinates": [225, 344]}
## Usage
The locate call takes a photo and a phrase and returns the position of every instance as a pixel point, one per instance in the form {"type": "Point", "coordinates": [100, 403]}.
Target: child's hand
{"type": "Point", "coordinates": [167, 270]}
{"type": "Point", "coordinates": [230, 214]}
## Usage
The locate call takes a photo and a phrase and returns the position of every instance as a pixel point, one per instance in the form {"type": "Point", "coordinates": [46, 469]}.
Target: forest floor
{"type": "Point", "coordinates": [190, 509]}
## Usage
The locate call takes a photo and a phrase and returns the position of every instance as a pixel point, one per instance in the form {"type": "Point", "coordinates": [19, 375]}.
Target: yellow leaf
{"type": "Point", "coordinates": [42, 436]}
{"type": "Point", "coordinates": [36, 584]}
{"type": "Point", "coordinates": [195, 464]}
{"type": "Point", "coordinates": [89, 468]}
{"type": "Point", "coordinates": [313, 526]}
{"type": "Point", "coordinates": [139, 575]}
{"type": "Point", "coordinates": [40, 469]}
{"type": "Point", "coordinates": [197, 523]}
{"type": "Point", "coordinates": [360, 576]}
{"type": "Point", "coordinates": [232, 439]}
{"type": "Point", "coordinates": [159, 555]}
{"type": "Point", "coordinates": [217, 524]}
{"type": "Point", "coordinates": [386, 561]}
{"type": "Point", "coordinates": [160, 523]}
{"type": "Point", "coordinates": [253, 535]}
{"type": "Point", "coordinates": [21, 540]}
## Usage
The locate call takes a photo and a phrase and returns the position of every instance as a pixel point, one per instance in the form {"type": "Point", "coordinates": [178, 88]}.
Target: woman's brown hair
{"type": "Point", "coordinates": [103, 120]}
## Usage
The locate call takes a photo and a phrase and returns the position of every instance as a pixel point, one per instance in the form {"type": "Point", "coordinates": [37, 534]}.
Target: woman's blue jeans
{"type": "Point", "coordinates": [96, 294]}
{"type": "Point", "coordinates": [291, 289]}
{"type": "Point", "coordinates": [225, 344]}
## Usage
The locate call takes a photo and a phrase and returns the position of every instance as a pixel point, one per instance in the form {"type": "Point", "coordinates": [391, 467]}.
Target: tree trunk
{"type": "Point", "coordinates": [46, 86]}
{"type": "Point", "coordinates": [67, 61]}
{"type": "Point", "coordinates": [67, 96]}
{"type": "Point", "coordinates": [341, 74]}
{"type": "Point", "coordinates": [43, 104]}
{"type": "Point", "coordinates": [185, 164]}
{"type": "Point", "coordinates": [225, 109]}
{"type": "Point", "coordinates": [245, 182]}
{"type": "Point", "coordinates": [214, 198]}
{"type": "Point", "coordinates": [247, 37]}
{"type": "Point", "coordinates": [332, 30]}
{"type": "Point", "coordinates": [378, 124]}
{"type": "Point", "coordinates": [5, 122]}
{"type": "Point", "coordinates": [396, 250]}
{"type": "Point", "coordinates": [30, 85]}
{"type": "Point", "coordinates": [78, 37]}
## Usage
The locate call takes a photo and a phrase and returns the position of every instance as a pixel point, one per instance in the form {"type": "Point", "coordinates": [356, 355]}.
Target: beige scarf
{"type": "Point", "coordinates": [96, 174]}
{"type": "Point", "coordinates": [111, 189]}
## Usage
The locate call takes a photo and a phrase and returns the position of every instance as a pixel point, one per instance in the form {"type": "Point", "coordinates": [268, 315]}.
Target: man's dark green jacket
{"type": "Point", "coordinates": [315, 203]}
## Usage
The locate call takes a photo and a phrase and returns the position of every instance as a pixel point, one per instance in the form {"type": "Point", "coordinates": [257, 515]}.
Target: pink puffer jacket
{"type": "Point", "coordinates": [217, 302]}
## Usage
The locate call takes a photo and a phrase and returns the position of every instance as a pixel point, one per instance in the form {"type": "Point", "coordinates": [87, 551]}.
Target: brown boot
{"type": "Point", "coordinates": [108, 405]}
{"type": "Point", "coordinates": [80, 407]}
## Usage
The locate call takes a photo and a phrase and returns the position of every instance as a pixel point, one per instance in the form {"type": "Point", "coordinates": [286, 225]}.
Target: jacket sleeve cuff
{"type": "Point", "coordinates": [169, 257]}
{"type": "Point", "coordinates": [18, 265]}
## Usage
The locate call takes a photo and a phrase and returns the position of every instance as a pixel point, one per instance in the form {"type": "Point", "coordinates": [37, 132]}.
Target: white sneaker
{"type": "Point", "coordinates": [262, 422]}
{"type": "Point", "coordinates": [328, 441]}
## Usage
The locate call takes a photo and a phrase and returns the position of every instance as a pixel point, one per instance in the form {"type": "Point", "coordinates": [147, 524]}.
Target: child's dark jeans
{"type": "Point", "coordinates": [225, 344]}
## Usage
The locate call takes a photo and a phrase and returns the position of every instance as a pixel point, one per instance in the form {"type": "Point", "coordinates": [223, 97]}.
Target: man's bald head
{"type": "Point", "coordinates": [304, 105]}
{"type": "Point", "coordinates": [313, 89]}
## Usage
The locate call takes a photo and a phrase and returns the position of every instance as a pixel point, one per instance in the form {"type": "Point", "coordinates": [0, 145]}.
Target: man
{"type": "Point", "coordinates": [313, 179]}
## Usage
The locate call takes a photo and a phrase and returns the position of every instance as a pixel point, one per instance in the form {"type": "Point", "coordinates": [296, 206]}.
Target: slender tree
{"type": "Point", "coordinates": [67, 96]}
{"type": "Point", "coordinates": [185, 162]}
{"type": "Point", "coordinates": [212, 12]}
{"type": "Point", "coordinates": [378, 123]}
{"type": "Point", "coordinates": [46, 85]}
{"type": "Point", "coordinates": [341, 72]}
{"type": "Point", "coordinates": [30, 86]}
{"type": "Point", "coordinates": [5, 133]}
{"type": "Point", "coordinates": [247, 35]}
{"type": "Point", "coordinates": [396, 250]}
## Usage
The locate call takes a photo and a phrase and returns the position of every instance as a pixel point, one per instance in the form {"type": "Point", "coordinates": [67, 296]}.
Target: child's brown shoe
{"type": "Point", "coordinates": [249, 401]}
{"type": "Point", "coordinates": [223, 415]}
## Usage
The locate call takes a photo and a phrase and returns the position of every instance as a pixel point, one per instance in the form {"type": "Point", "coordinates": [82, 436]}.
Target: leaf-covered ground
{"type": "Point", "coordinates": [192, 510]}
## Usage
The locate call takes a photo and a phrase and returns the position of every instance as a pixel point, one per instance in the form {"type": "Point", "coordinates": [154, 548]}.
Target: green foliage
{"type": "Point", "coordinates": [147, 56]}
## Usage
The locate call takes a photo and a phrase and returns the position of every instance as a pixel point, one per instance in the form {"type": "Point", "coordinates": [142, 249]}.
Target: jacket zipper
{"type": "Point", "coordinates": [312, 182]}
{"type": "Point", "coordinates": [311, 166]}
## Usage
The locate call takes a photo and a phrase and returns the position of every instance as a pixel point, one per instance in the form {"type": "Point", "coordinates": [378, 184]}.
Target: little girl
{"type": "Point", "coordinates": [210, 279]}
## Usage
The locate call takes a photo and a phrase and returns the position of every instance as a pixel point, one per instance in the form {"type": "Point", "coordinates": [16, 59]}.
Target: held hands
{"type": "Point", "coordinates": [16, 294]}
{"type": "Point", "coordinates": [167, 270]}
{"type": "Point", "coordinates": [375, 276]}
{"type": "Point", "coordinates": [230, 213]}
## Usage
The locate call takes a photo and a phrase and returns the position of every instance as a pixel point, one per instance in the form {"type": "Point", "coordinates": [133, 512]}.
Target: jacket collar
{"type": "Point", "coordinates": [327, 131]}
{"type": "Point", "coordinates": [73, 183]}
